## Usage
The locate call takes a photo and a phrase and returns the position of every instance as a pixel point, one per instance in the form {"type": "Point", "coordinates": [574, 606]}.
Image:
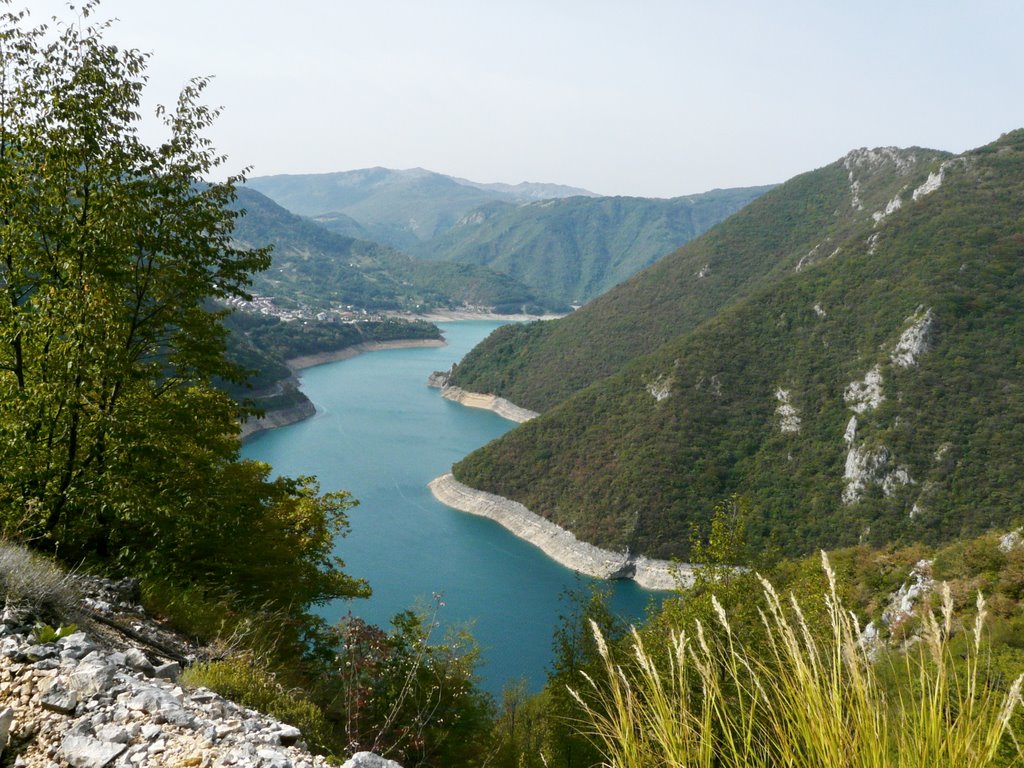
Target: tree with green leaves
{"type": "Point", "coordinates": [115, 446]}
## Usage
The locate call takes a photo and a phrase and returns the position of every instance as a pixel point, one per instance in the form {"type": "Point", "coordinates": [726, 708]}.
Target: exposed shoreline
{"type": "Point", "coordinates": [301, 411]}
{"type": "Point", "coordinates": [456, 315]}
{"type": "Point", "coordinates": [499, 405]}
{"type": "Point", "coordinates": [558, 543]}
{"type": "Point", "coordinates": [320, 358]}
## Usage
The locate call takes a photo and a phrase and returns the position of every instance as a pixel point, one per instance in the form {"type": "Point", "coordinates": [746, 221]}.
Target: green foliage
{"type": "Point", "coordinates": [400, 208]}
{"type": "Point", "coordinates": [575, 654]}
{"type": "Point", "coordinates": [748, 252]}
{"type": "Point", "coordinates": [402, 695]}
{"type": "Point", "coordinates": [44, 633]}
{"type": "Point", "coordinates": [265, 344]}
{"type": "Point", "coordinates": [576, 248]}
{"type": "Point", "coordinates": [621, 468]}
{"type": "Point", "coordinates": [524, 731]}
{"type": "Point", "coordinates": [116, 447]}
{"type": "Point", "coordinates": [250, 681]}
{"type": "Point", "coordinates": [108, 248]}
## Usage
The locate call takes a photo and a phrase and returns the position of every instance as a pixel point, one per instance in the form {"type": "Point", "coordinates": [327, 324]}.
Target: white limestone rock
{"type": "Point", "coordinates": [704, 271]}
{"type": "Point", "coordinates": [369, 760]}
{"type": "Point", "coordinates": [932, 183]}
{"type": "Point", "coordinates": [806, 260]}
{"type": "Point", "coordinates": [789, 417]}
{"type": "Point", "coordinates": [863, 467]}
{"type": "Point", "coordinates": [660, 388]}
{"type": "Point", "coordinates": [6, 719]}
{"type": "Point", "coordinates": [819, 311]}
{"type": "Point", "coordinates": [866, 395]}
{"type": "Point", "coordinates": [87, 752]}
{"type": "Point", "coordinates": [895, 480]}
{"type": "Point", "coordinates": [901, 603]}
{"type": "Point", "coordinates": [1007, 543]}
{"type": "Point", "coordinates": [851, 431]}
{"type": "Point", "coordinates": [915, 340]}
{"type": "Point", "coordinates": [868, 160]}
{"type": "Point", "coordinates": [893, 205]}
{"type": "Point", "coordinates": [872, 159]}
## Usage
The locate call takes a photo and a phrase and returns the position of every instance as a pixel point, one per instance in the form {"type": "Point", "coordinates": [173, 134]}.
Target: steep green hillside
{"type": "Point", "coordinates": [799, 223]}
{"type": "Point", "coordinates": [400, 208]}
{"type": "Point", "coordinates": [316, 268]}
{"type": "Point", "coordinates": [869, 388]}
{"type": "Point", "coordinates": [577, 248]}
{"type": "Point", "coordinates": [263, 345]}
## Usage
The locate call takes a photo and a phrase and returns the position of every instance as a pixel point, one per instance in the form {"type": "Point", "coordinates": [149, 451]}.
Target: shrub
{"type": "Point", "coordinates": [31, 581]}
{"type": "Point", "coordinates": [247, 679]}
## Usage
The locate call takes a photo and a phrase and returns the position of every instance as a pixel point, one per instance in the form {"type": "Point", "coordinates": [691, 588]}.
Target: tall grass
{"type": "Point", "coordinates": [38, 585]}
{"type": "Point", "coordinates": [804, 699]}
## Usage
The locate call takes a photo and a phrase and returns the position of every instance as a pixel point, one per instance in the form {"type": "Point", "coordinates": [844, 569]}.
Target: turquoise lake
{"type": "Point", "coordinates": [382, 434]}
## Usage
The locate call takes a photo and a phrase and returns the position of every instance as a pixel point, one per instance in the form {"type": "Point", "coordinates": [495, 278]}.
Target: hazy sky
{"type": "Point", "coordinates": [636, 97]}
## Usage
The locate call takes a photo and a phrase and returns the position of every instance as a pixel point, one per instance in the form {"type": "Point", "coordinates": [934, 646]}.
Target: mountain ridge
{"type": "Point", "coordinates": [795, 394]}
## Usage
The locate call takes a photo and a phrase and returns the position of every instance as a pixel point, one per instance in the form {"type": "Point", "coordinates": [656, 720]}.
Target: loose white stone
{"type": "Point", "coordinates": [369, 760]}
{"type": "Point", "coordinates": [819, 311]}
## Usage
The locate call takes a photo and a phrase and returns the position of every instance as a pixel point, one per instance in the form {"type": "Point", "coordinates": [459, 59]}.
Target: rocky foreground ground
{"type": "Point", "coordinates": [110, 696]}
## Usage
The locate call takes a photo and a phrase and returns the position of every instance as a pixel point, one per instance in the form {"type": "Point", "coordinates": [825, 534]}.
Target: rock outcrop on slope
{"type": "Point", "coordinates": [97, 698]}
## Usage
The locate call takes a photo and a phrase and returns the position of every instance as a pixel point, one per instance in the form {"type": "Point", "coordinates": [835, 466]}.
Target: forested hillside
{"type": "Point", "coordinates": [800, 223]}
{"type": "Point", "coordinates": [314, 267]}
{"type": "Point", "coordinates": [848, 362]}
{"type": "Point", "coordinates": [576, 248]}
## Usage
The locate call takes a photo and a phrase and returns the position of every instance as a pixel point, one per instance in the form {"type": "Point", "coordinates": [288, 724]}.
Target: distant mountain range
{"type": "Point", "coordinates": [316, 268]}
{"type": "Point", "coordinates": [398, 207]}
{"type": "Point", "coordinates": [845, 353]}
{"type": "Point", "coordinates": [566, 245]}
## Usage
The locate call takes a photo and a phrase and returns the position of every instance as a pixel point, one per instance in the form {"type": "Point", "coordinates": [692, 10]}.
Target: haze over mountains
{"type": "Point", "coordinates": [563, 245]}
{"type": "Point", "coordinates": [397, 207]}
{"type": "Point", "coordinates": [317, 268]}
{"type": "Point", "coordinates": [845, 352]}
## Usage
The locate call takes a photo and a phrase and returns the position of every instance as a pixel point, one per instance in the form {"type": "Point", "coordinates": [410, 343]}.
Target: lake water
{"type": "Point", "coordinates": [382, 434]}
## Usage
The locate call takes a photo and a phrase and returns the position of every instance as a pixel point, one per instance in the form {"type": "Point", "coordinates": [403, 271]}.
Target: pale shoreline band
{"type": "Point", "coordinates": [308, 361]}
{"type": "Point", "coordinates": [558, 543]}
{"type": "Point", "coordinates": [305, 410]}
{"type": "Point", "coordinates": [499, 405]}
